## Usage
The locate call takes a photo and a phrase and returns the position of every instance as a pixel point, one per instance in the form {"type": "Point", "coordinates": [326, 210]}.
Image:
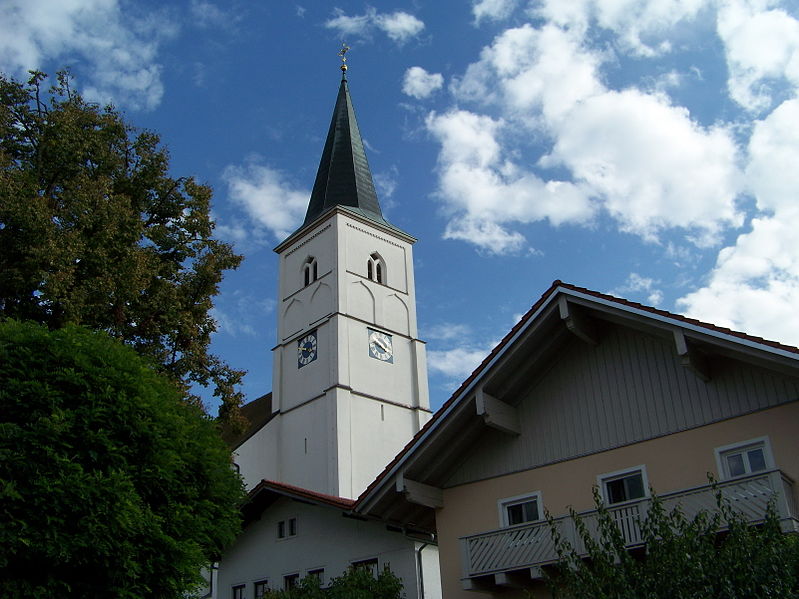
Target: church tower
{"type": "Point", "coordinates": [349, 376]}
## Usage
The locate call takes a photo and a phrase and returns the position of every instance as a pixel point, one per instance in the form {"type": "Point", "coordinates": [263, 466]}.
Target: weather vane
{"type": "Point", "coordinates": [343, 53]}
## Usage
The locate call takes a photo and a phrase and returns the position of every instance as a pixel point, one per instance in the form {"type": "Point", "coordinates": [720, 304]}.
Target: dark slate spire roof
{"type": "Point", "coordinates": [344, 178]}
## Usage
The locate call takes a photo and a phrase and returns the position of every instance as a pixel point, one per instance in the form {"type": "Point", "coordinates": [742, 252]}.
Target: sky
{"type": "Point", "coordinates": [644, 148]}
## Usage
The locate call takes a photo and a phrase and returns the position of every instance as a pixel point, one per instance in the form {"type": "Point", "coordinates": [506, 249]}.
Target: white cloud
{"type": "Point", "coordinates": [119, 50]}
{"type": "Point", "coordinates": [483, 190]}
{"type": "Point", "coordinates": [457, 363]}
{"type": "Point", "coordinates": [267, 198]}
{"type": "Point", "coordinates": [207, 14]}
{"type": "Point", "coordinates": [636, 285]}
{"type": "Point", "coordinates": [762, 50]}
{"type": "Point", "coordinates": [634, 153]}
{"type": "Point", "coordinates": [398, 26]}
{"type": "Point", "coordinates": [754, 285]}
{"type": "Point", "coordinates": [653, 167]}
{"type": "Point", "coordinates": [386, 182]}
{"type": "Point", "coordinates": [446, 331]}
{"type": "Point", "coordinates": [640, 25]}
{"type": "Point", "coordinates": [241, 313]}
{"type": "Point", "coordinates": [420, 84]}
{"type": "Point", "coordinates": [495, 10]}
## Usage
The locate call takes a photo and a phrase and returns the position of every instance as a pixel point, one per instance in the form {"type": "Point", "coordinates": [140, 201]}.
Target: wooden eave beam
{"type": "Point", "coordinates": [691, 358]}
{"type": "Point", "coordinates": [497, 414]}
{"type": "Point", "coordinates": [577, 322]}
{"type": "Point", "coordinates": [419, 493]}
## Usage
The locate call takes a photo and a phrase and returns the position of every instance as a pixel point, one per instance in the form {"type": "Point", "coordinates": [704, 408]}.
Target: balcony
{"type": "Point", "coordinates": [509, 555]}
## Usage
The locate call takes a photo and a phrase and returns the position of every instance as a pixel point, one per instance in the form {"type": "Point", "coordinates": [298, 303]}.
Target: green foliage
{"type": "Point", "coordinates": [94, 231]}
{"type": "Point", "coordinates": [356, 583]}
{"type": "Point", "coordinates": [111, 486]}
{"type": "Point", "coordinates": [715, 555]}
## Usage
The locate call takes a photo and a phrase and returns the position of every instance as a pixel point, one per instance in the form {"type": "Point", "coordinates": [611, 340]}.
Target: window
{"type": "Point", "coordinates": [747, 457]}
{"type": "Point", "coordinates": [376, 269]}
{"type": "Point", "coordinates": [367, 564]}
{"type": "Point", "coordinates": [520, 509]}
{"type": "Point", "coordinates": [260, 588]}
{"type": "Point", "coordinates": [319, 574]}
{"type": "Point", "coordinates": [624, 485]}
{"type": "Point", "coordinates": [287, 528]}
{"type": "Point", "coordinates": [238, 591]}
{"type": "Point", "coordinates": [310, 270]}
{"type": "Point", "coordinates": [290, 581]}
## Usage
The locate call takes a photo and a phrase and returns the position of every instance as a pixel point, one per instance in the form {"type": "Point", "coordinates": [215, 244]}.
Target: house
{"type": "Point", "coordinates": [290, 533]}
{"type": "Point", "coordinates": [593, 390]}
{"type": "Point", "coordinates": [349, 391]}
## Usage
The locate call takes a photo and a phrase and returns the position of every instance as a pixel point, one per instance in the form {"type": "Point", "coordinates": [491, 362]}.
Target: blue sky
{"type": "Point", "coordinates": [646, 148]}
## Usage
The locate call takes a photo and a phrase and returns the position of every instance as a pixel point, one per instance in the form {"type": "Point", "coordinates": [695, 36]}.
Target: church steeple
{"type": "Point", "coordinates": [344, 178]}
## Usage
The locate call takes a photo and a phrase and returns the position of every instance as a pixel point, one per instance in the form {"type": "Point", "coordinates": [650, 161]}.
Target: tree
{"type": "Point", "coordinates": [355, 583]}
{"type": "Point", "coordinates": [714, 555]}
{"type": "Point", "coordinates": [94, 231]}
{"type": "Point", "coordinates": [111, 486]}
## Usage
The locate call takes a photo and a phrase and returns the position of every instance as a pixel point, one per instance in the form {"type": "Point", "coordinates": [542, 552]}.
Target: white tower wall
{"type": "Point", "coordinates": [344, 415]}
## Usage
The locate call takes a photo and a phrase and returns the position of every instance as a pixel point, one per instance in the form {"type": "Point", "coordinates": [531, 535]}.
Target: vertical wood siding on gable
{"type": "Point", "coordinates": [629, 388]}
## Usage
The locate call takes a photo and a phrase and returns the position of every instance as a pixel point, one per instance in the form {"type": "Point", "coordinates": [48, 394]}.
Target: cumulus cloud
{"type": "Point", "coordinates": [270, 201]}
{"type": "Point", "coordinates": [653, 167]}
{"type": "Point", "coordinates": [484, 190]}
{"type": "Point", "coordinates": [754, 285]}
{"type": "Point", "coordinates": [633, 153]}
{"type": "Point", "coordinates": [640, 26]}
{"type": "Point", "coordinates": [399, 26]}
{"type": "Point", "coordinates": [494, 10]}
{"type": "Point", "coordinates": [118, 49]}
{"type": "Point", "coordinates": [419, 84]}
{"type": "Point", "coordinates": [457, 363]}
{"type": "Point", "coordinates": [762, 50]}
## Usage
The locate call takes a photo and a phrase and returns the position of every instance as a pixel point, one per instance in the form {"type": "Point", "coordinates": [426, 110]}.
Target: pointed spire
{"type": "Point", "coordinates": [344, 178]}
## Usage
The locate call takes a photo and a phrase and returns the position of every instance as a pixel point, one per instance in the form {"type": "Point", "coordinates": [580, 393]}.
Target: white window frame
{"type": "Point", "coordinates": [611, 476]}
{"type": "Point", "coordinates": [758, 442]}
{"type": "Point", "coordinates": [504, 503]}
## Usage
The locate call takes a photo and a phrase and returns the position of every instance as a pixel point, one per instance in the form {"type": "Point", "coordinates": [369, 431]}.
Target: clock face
{"type": "Point", "coordinates": [380, 346]}
{"type": "Point", "coordinates": [306, 349]}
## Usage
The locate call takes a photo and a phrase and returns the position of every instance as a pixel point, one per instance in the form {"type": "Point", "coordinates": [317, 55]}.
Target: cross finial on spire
{"type": "Point", "coordinates": [343, 53]}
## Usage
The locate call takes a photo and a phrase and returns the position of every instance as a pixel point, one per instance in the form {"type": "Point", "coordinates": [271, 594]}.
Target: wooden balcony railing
{"type": "Point", "coordinates": [530, 546]}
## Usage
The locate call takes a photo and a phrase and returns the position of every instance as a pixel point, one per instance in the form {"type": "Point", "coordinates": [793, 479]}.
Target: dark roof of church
{"type": "Point", "coordinates": [344, 178]}
{"type": "Point", "coordinates": [257, 412]}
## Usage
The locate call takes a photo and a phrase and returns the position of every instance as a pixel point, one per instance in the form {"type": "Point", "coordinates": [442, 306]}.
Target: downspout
{"type": "Point", "coordinates": [419, 571]}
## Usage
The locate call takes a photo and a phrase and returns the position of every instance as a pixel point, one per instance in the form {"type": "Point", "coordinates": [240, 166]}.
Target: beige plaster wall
{"type": "Point", "coordinates": [673, 462]}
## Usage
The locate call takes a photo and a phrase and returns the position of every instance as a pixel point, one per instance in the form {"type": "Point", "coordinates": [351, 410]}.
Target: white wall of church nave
{"type": "Point", "coordinates": [257, 456]}
{"type": "Point", "coordinates": [324, 540]}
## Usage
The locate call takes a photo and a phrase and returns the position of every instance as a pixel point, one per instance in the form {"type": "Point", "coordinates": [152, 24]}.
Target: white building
{"type": "Point", "coordinates": [349, 391]}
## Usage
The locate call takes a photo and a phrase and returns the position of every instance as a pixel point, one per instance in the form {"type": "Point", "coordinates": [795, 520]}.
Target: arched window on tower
{"type": "Point", "coordinates": [376, 269]}
{"type": "Point", "coordinates": [310, 270]}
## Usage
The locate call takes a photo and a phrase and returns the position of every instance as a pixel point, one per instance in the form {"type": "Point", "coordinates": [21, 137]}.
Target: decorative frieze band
{"type": "Point", "coordinates": [298, 246]}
